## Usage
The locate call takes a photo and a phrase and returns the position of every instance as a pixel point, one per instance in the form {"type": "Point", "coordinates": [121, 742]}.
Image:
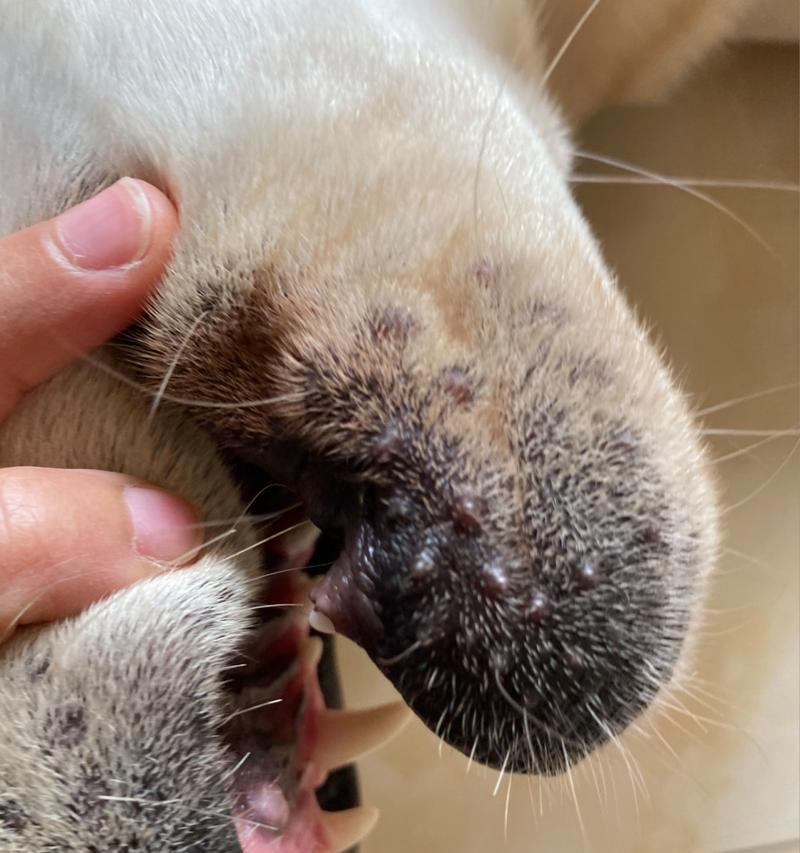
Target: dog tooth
{"type": "Point", "coordinates": [343, 736]}
{"type": "Point", "coordinates": [311, 651]}
{"type": "Point", "coordinates": [299, 541]}
{"type": "Point", "coordinates": [347, 828]}
{"type": "Point", "coordinates": [320, 622]}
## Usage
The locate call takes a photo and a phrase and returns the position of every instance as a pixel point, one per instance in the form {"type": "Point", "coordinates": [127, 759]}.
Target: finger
{"type": "Point", "coordinates": [69, 284]}
{"type": "Point", "coordinates": [70, 537]}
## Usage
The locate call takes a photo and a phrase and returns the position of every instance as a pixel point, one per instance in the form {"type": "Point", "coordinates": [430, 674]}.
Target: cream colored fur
{"type": "Point", "coordinates": [330, 140]}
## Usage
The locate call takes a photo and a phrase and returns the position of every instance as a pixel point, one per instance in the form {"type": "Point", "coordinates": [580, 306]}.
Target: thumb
{"type": "Point", "coordinates": [70, 537]}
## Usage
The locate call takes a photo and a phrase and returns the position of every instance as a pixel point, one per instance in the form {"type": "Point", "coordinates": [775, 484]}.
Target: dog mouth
{"type": "Point", "coordinates": [290, 784]}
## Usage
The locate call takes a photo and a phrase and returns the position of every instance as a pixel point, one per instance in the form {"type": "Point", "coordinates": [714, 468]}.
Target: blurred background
{"type": "Point", "coordinates": [717, 770]}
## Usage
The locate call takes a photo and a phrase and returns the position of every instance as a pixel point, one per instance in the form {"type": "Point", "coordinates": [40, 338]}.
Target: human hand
{"type": "Point", "coordinates": [66, 286]}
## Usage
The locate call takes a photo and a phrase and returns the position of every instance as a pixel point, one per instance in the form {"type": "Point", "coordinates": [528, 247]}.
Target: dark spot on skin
{"type": "Point", "coordinates": [399, 509]}
{"type": "Point", "coordinates": [12, 817]}
{"type": "Point", "coordinates": [541, 310]}
{"type": "Point", "coordinates": [424, 565]}
{"type": "Point", "coordinates": [540, 358]}
{"type": "Point", "coordinates": [392, 324]}
{"type": "Point", "coordinates": [650, 535]}
{"type": "Point", "coordinates": [67, 725]}
{"type": "Point", "coordinates": [388, 445]}
{"type": "Point", "coordinates": [538, 608]}
{"type": "Point", "coordinates": [38, 667]}
{"type": "Point", "coordinates": [93, 789]}
{"type": "Point", "coordinates": [457, 384]}
{"type": "Point", "coordinates": [500, 661]}
{"type": "Point", "coordinates": [587, 573]}
{"type": "Point", "coordinates": [591, 370]}
{"type": "Point", "coordinates": [466, 513]}
{"type": "Point", "coordinates": [313, 382]}
{"type": "Point", "coordinates": [494, 580]}
{"type": "Point", "coordinates": [487, 274]}
{"type": "Point", "coordinates": [573, 661]}
{"type": "Point", "coordinates": [623, 441]}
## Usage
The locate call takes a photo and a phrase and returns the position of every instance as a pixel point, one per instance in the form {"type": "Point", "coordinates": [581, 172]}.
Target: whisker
{"type": "Point", "coordinates": [630, 167]}
{"type": "Point", "coordinates": [714, 183]}
{"type": "Point", "coordinates": [530, 797]}
{"type": "Point", "coordinates": [183, 401]}
{"type": "Point", "coordinates": [145, 802]}
{"type": "Point", "coordinates": [481, 152]}
{"type": "Point", "coordinates": [771, 479]}
{"type": "Point", "coordinates": [192, 552]}
{"type": "Point", "coordinates": [772, 433]}
{"type": "Point", "coordinates": [568, 41]}
{"type": "Point", "coordinates": [744, 451]}
{"type": "Point", "coordinates": [239, 519]}
{"type": "Point", "coordinates": [472, 755]}
{"type": "Point", "coordinates": [241, 711]}
{"type": "Point", "coordinates": [397, 658]}
{"type": "Point", "coordinates": [239, 764]}
{"type": "Point", "coordinates": [727, 404]}
{"type": "Point", "coordinates": [500, 775]}
{"type": "Point", "coordinates": [571, 783]}
{"type": "Point", "coordinates": [508, 804]}
{"type": "Point", "coordinates": [267, 539]}
{"type": "Point", "coordinates": [159, 395]}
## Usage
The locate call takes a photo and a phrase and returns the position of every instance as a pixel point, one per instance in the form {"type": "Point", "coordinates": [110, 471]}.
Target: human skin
{"type": "Point", "coordinates": [66, 286]}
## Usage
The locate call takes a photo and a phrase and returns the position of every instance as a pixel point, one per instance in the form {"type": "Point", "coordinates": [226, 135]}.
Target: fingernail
{"type": "Point", "coordinates": [110, 230]}
{"type": "Point", "coordinates": [164, 527]}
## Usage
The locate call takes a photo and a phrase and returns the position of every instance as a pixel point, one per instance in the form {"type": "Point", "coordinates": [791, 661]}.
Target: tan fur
{"type": "Point", "coordinates": [630, 50]}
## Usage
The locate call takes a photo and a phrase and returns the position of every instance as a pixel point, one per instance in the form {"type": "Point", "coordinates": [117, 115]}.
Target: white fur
{"type": "Point", "coordinates": [345, 137]}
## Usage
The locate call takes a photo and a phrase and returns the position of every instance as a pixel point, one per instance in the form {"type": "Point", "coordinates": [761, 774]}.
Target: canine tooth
{"type": "Point", "coordinates": [311, 651]}
{"type": "Point", "coordinates": [346, 735]}
{"type": "Point", "coordinates": [298, 541]}
{"type": "Point", "coordinates": [320, 622]}
{"type": "Point", "coordinates": [346, 828]}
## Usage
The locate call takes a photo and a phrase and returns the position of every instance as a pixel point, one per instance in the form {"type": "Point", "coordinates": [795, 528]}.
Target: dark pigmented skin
{"type": "Point", "coordinates": [527, 597]}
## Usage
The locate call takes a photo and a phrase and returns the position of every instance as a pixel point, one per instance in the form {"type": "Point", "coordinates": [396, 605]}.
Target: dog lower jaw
{"type": "Point", "coordinates": [284, 742]}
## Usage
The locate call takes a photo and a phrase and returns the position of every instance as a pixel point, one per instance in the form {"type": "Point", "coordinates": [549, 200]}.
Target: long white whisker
{"type": "Point", "coordinates": [773, 433]}
{"type": "Point", "coordinates": [159, 395]}
{"type": "Point", "coordinates": [192, 552]}
{"type": "Point", "coordinates": [571, 782]}
{"type": "Point", "coordinates": [775, 474]}
{"type": "Point", "coordinates": [239, 764]}
{"type": "Point", "coordinates": [500, 775]}
{"type": "Point", "coordinates": [266, 539]}
{"type": "Point", "coordinates": [241, 711]}
{"type": "Point", "coordinates": [718, 407]}
{"type": "Point", "coordinates": [714, 183]}
{"type": "Point", "coordinates": [744, 451]}
{"type": "Point", "coordinates": [179, 804]}
{"type": "Point", "coordinates": [568, 41]}
{"type": "Point", "coordinates": [630, 167]}
{"type": "Point", "coordinates": [508, 804]}
{"type": "Point", "coordinates": [184, 401]}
